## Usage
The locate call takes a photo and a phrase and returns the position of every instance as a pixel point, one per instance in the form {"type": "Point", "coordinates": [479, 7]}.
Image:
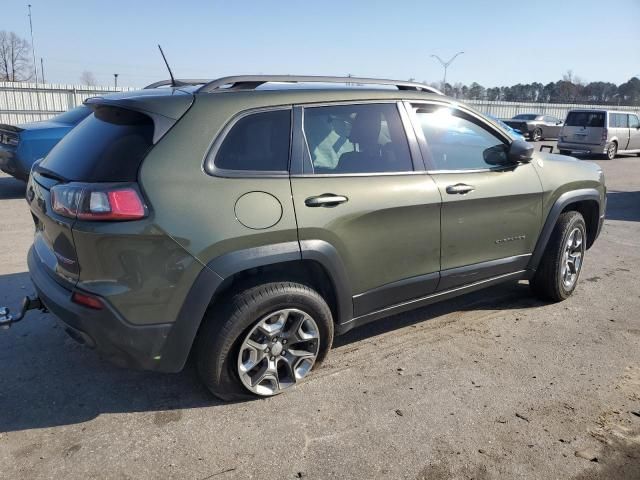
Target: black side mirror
{"type": "Point", "coordinates": [520, 152]}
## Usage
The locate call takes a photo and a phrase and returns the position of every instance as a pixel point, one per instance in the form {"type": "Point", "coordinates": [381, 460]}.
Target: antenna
{"type": "Point", "coordinates": [173, 80]}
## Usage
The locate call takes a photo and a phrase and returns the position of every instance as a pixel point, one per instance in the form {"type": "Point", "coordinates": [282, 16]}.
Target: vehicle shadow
{"type": "Point", "coordinates": [11, 188]}
{"type": "Point", "coordinates": [49, 380]}
{"type": "Point", "coordinates": [623, 206]}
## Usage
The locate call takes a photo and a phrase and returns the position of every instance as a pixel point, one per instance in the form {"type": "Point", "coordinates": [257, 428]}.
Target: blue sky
{"type": "Point", "coordinates": [505, 41]}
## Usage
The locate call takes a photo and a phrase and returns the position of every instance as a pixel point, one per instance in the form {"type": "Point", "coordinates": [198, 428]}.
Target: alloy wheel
{"type": "Point", "coordinates": [612, 150]}
{"type": "Point", "coordinates": [572, 258]}
{"type": "Point", "coordinates": [279, 351]}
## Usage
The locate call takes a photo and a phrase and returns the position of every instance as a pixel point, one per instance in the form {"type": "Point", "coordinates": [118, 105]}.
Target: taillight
{"type": "Point", "coordinates": [605, 134]}
{"type": "Point", "coordinates": [87, 300]}
{"type": "Point", "coordinates": [97, 202]}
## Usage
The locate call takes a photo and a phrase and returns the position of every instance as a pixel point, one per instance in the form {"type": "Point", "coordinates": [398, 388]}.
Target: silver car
{"type": "Point", "coordinates": [536, 126]}
{"type": "Point", "coordinates": [601, 132]}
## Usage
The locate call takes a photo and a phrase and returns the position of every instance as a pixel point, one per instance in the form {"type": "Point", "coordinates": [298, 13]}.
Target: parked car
{"type": "Point", "coordinates": [601, 132]}
{"type": "Point", "coordinates": [251, 222]}
{"type": "Point", "coordinates": [535, 126]}
{"type": "Point", "coordinates": [22, 145]}
{"type": "Point", "coordinates": [513, 133]}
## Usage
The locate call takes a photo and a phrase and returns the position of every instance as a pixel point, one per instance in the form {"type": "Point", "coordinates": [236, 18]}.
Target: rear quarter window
{"type": "Point", "coordinates": [108, 146]}
{"type": "Point", "coordinates": [257, 142]}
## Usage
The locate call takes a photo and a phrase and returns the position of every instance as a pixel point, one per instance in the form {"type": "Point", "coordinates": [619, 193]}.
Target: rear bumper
{"type": "Point", "coordinates": [117, 340]}
{"type": "Point", "coordinates": [588, 149]}
{"type": "Point", "coordinates": [9, 163]}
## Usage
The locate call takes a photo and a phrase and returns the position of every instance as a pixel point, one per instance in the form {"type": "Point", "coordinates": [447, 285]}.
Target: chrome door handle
{"type": "Point", "coordinates": [325, 200]}
{"type": "Point", "coordinates": [460, 188]}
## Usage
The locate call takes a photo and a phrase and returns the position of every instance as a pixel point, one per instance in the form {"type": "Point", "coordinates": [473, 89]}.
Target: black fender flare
{"type": "Point", "coordinates": [561, 203]}
{"type": "Point", "coordinates": [210, 279]}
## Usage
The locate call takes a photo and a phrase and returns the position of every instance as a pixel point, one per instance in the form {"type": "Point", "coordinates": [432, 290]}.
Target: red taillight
{"type": "Point", "coordinates": [605, 134]}
{"type": "Point", "coordinates": [94, 202]}
{"type": "Point", "coordinates": [87, 300]}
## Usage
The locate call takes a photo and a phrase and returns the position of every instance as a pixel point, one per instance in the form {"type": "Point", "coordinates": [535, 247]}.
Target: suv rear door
{"type": "Point", "coordinates": [585, 126]}
{"type": "Point", "coordinates": [491, 216]}
{"type": "Point", "coordinates": [359, 185]}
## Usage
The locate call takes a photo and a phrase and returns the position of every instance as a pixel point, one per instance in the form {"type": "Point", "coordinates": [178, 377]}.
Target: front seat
{"type": "Point", "coordinates": [365, 133]}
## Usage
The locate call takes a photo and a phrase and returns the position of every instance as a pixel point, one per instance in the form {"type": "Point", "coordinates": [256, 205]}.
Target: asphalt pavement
{"type": "Point", "coordinates": [492, 385]}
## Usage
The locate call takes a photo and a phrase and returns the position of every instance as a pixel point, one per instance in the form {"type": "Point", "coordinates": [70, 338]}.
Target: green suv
{"type": "Point", "coordinates": [250, 219]}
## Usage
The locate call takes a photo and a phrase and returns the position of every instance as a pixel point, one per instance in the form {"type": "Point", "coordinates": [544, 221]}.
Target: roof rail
{"type": "Point", "coordinates": [180, 82]}
{"type": "Point", "coordinates": [251, 82]}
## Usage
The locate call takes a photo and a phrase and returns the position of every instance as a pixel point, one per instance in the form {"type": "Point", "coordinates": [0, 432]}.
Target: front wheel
{"type": "Point", "coordinates": [559, 269]}
{"type": "Point", "coordinates": [263, 340]}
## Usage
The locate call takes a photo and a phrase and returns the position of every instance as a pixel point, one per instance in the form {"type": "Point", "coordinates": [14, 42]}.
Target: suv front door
{"type": "Point", "coordinates": [491, 216]}
{"type": "Point", "coordinates": [359, 188]}
{"type": "Point", "coordinates": [634, 132]}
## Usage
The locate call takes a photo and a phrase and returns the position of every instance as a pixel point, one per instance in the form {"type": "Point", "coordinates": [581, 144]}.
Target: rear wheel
{"type": "Point", "coordinates": [536, 136]}
{"type": "Point", "coordinates": [559, 269]}
{"type": "Point", "coordinates": [263, 340]}
{"type": "Point", "coordinates": [612, 151]}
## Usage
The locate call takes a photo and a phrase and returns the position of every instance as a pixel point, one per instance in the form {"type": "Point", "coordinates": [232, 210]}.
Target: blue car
{"type": "Point", "coordinates": [513, 133]}
{"type": "Point", "coordinates": [22, 145]}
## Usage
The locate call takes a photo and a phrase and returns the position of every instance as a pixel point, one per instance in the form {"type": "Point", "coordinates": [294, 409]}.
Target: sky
{"type": "Point", "coordinates": [505, 41]}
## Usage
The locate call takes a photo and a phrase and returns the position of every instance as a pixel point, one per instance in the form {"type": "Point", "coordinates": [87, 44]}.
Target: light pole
{"type": "Point", "coordinates": [33, 47]}
{"type": "Point", "coordinates": [115, 80]}
{"type": "Point", "coordinates": [445, 65]}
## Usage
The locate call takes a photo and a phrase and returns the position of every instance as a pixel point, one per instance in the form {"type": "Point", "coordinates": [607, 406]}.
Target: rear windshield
{"type": "Point", "coordinates": [73, 116]}
{"type": "Point", "coordinates": [525, 116]}
{"type": "Point", "coordinates": [107, 147]}
{"type": "Point", "coordinates": [585, 119]}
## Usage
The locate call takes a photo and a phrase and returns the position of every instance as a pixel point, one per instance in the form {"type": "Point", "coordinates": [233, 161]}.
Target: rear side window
{"type": "Point", "coordinates": [108, 146]}
{"type": "Point", "coordinates": [618, 120]}
{"type": "Point", "coordinates": [258, 142]}
{"type": "Point", "coordinates": [366, 138]}
{"type": "Point", "coordinates": [633, 121]}
{"type": "Point", "coordinates": [585, 119]}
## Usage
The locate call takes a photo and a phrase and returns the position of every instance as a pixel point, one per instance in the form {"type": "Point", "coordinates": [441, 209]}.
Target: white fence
{"type": "Point", "coordinates": [30, 102]}
{"type": "Point", "coordinates": [502, 109]}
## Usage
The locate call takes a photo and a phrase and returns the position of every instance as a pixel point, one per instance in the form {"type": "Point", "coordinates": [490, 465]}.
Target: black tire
{"type": "Point", "coordinates": [547, 283]}
{"type": "Point", "coordinates": [228, 322]}
{"type": "Point", "coordinates": [536, 135]}
{"type": "Point", "coordinates": [612, 151]}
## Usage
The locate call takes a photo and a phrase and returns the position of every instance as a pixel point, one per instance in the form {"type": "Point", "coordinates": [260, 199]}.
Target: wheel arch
{"type": "Point", "coordinates": [586, 201]}
{"type": "Point", "coordinates": [314, 263]}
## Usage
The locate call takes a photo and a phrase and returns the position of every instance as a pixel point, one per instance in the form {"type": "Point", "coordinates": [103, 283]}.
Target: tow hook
{"type": "Point", "coordinates": [28, 303]}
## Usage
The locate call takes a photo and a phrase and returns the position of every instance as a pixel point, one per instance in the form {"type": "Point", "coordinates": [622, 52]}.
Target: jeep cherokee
{"type": "Point", "coordinates": [250, 219]}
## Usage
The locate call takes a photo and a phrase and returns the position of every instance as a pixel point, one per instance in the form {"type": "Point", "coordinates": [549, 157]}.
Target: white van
{"type": "Point", "coordinates": [602, 132]}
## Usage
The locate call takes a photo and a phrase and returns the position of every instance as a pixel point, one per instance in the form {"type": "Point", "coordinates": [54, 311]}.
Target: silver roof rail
{"type": "Point", "coordinates": [251, 82]}
{"type": "Point", "coordinates": [180, 82]}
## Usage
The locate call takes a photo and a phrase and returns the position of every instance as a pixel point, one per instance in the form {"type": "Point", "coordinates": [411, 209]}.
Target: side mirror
{"type": "Point", "coordinates": [520, 152]}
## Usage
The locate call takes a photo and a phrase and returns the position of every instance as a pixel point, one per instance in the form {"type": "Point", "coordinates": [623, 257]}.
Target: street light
{"type": "Point", "coordinates": [115, 79]}
{"type": "Point", "coordinates": [445, 65]}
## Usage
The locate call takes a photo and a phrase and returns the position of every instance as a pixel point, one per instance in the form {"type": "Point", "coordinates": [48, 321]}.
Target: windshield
{"type": "Point", "coordinates": [73, 116]}
{"type": "Point", "coordinates": [525, 116]}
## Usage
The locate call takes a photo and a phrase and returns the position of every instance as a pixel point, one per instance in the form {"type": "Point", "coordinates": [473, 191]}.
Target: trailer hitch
{"type": "Point", "coordinates": [28, 303]}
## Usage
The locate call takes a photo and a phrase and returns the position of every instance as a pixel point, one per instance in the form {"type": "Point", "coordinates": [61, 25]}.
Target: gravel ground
{"type": "Point", "coordinates": [492, 385]}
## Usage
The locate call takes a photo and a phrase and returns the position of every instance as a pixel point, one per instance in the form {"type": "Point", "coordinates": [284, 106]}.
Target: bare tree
{"type": "Point", "coordinates": [14, 58]}
{"type": "Point", "coordinates": [87, 78]}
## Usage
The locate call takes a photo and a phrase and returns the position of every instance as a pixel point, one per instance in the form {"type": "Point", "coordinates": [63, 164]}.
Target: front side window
{"type": "Point", "coordinates": [456, 142]}
{"type": "Point", "coordinates": [258, 142]}
{"type": "Point", "coordinates": [366, 138]}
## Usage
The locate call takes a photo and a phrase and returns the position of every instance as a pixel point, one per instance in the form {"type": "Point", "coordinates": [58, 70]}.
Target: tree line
{"type": "Point", "coordinates": [568, 90]}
